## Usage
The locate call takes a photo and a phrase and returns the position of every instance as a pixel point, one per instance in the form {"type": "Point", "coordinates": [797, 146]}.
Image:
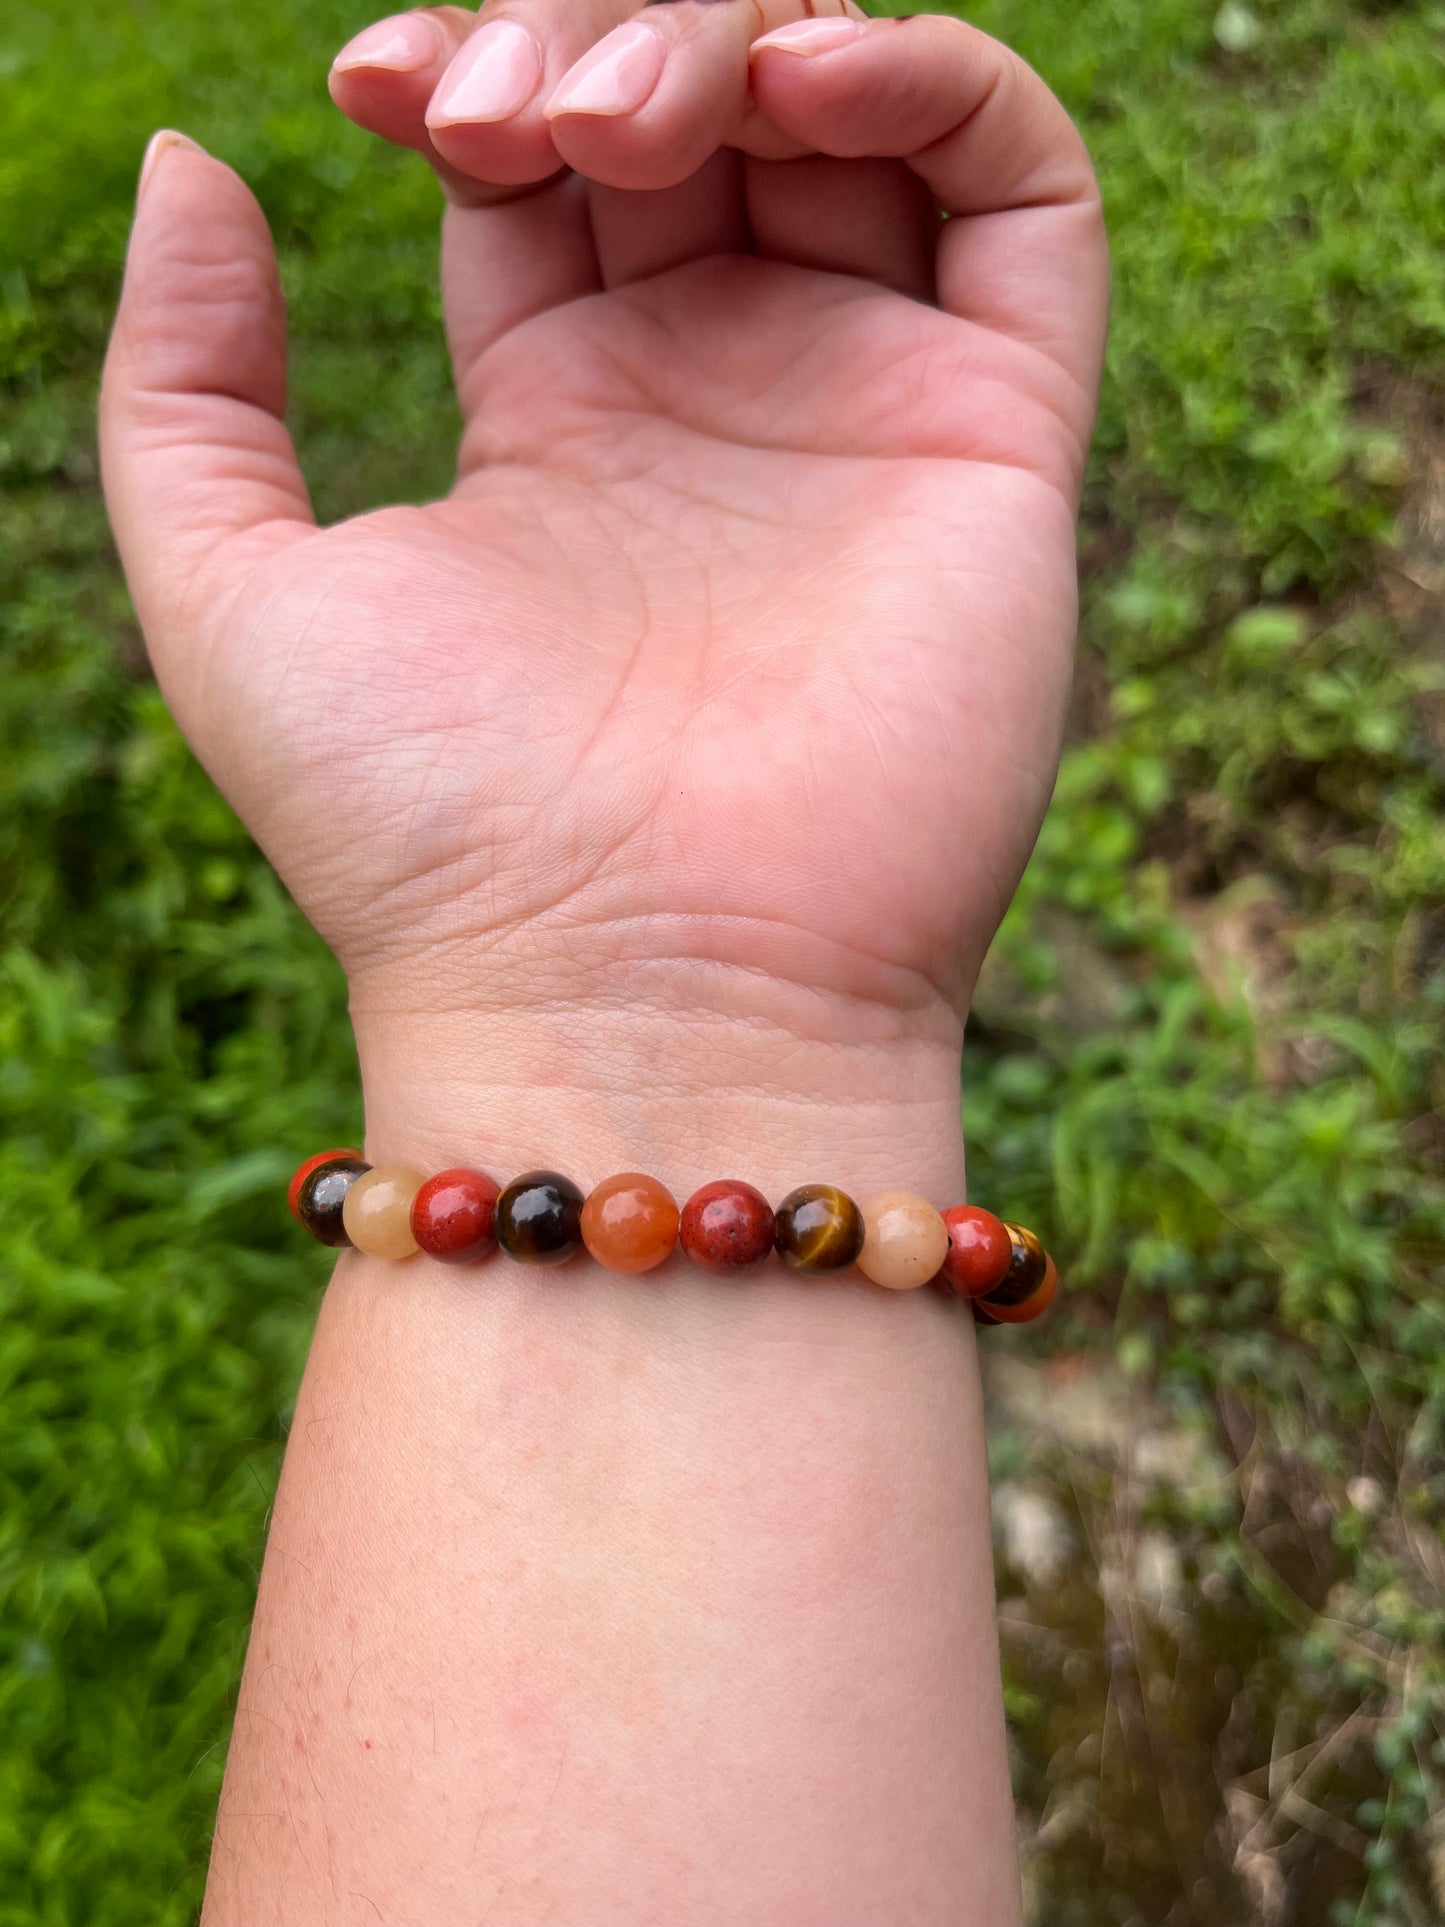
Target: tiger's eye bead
{"type": "Point", "coordinates": [303, 1172]}
{"type": "Point", "coordinates": [979, 1251]}
{"type": "Point", "coordinates": [988, 1312]}
{"type": "Point", "coordinates": [321, 1195]}
{"type": "Point", "coordinates": [1025, 1273]}
{"type": "Point", "coordinates": [727, 1226]}
{"type": "Point", "coordinates": [904, 1241]}
{"type": "Point", "coordinates": [539, 1219]}
{"type": "Point", "coordinates": [818, 1229]}
{"type": "Point", "coordinates": [452, 1216]}
{"type": "Point", "coordinates": [629, 1223]}
{"type": "Point", "coordinates": [377, 1211]}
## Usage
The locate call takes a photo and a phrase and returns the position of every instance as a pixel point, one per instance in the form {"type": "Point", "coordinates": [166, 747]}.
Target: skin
{"type": "Point", "coordinates": [659, 790]}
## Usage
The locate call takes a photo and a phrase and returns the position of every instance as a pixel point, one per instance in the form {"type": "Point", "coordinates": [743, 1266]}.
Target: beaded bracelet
{"type": "Point", "coordinates": [631, 1223]}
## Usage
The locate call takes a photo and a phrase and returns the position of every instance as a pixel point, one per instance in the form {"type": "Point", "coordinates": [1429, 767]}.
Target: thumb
{"type": "Point", "coordinates": [201, 477]}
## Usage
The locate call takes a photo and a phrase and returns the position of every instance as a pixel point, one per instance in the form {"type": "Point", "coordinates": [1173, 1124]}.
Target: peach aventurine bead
{"type": "Point", "coordinates": [377, 1211]}
{"type": "Point", "coordinates": [629, 1223]}
{"type": "Point", "coordinates": [905, 1241]}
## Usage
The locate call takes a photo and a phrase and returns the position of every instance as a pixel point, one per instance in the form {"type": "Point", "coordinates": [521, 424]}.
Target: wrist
{"type": "Point", "coordinates": [690, 1070]}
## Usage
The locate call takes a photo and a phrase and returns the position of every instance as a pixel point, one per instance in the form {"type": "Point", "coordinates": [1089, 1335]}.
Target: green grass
{"type": "Point", "coordinates": [1206, 1057]}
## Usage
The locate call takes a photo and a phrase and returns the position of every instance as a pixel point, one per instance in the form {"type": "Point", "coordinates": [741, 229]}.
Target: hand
{"type": "Point", "coordinates": [694, 744]}
{"type": "Point", "coordinates": [659, 791]}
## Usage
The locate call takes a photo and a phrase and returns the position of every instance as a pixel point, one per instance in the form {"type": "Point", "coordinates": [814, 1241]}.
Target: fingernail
{"type": "Point", "coordinates": [157, 145]}
{"type": "Point", "coordinates": [403, 45]}
{"type": "Point", "coordinates": [492, 78]}
{"type": "Point", "coordinates": [810, 36]}
{"type": "Point", "coordinates": [615, 78]}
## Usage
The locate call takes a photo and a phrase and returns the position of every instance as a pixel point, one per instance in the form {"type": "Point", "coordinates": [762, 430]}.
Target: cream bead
{"type": "Point", "coordinates": [377, 1211]}
{"type": "Point", "coordinates": [905, 1241]}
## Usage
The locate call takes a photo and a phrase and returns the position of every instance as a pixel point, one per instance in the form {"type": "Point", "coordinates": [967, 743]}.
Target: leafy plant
{"type": "Point", "coordinates": [1205, 1057]}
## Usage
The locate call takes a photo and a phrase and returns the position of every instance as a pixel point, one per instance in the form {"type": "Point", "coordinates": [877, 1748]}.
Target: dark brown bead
{"type": "Point", "coordinates": [819, 1228]}
{"type": "Point", "coordinates": [1025, 1272]}
{"type": "Point", "coordinates": [303, 1172]}
{"type": "Point", "coordinates": [727, 1226]}
{"type": "Point", "coordinates": [321, 1196]}
{"type": "Point", "coordinates": [539, 1219]}
{"type": "Point", "coordinates": [988, 1312]}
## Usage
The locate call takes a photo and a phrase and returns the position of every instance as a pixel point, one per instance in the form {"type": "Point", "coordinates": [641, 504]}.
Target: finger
{"type": "Point", "coordinates": [502, 265]}
{"type": "Point", "coordinates": [870, 218]}
{"type": "Point", "coordinates": [1026, 253]}
{"type": "Point", "coordinates": [648, 103]}
{"type": "Point", "coordinates": [486, 116]}
{"type": "Point", "coordinates": [651, 230]}
{"type": "Point", "coordinates": [508, 251]}
{"type": "Point", "coordinates": [385, 78]}
{"type": "Point", "coordinates": [200, 472]}
{"type": "Point", "coordinates": [463, 89]}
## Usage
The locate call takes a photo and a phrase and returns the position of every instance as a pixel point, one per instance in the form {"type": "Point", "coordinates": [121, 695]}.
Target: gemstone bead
{"type": "Point", "coordinates": [629, 1223]}
{"type": "Point", "coordinates": [377, 1211]}
{"type": "Point", "coordinates": [818, 1229]}
{"type": "Point", "coordinates": [453, 1214]}
{"type": "Point", "coordinates": [321, 1195]}
{"type": "Point", "coordinates": [303, 1172]}
{"type": "Point", "coordinates": [539, 1219]}
{"type": "Point", "coordinates": [905, 1241]}
{"type": "Point", "coordinates": [988, 1312]}
{"type": "Point", "coordinates": [727, 1226]}
{"type": "Point", "coordinates": [1027, 1259]}
{"type": "Point", "coordinates": [979, 1251]}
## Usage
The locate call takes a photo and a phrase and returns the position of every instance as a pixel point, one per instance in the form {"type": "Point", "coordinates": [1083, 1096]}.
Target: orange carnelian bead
{"type": "Point", "coordinates": [979, 1251]}
{"type": "Point", "coordinates": [629, 1223]}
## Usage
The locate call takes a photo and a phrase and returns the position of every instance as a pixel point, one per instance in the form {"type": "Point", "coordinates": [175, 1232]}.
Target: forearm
{"type": "Point", "coordinates": [592, 1599]}
{"type": "Point", "coordinates": [659, 790]}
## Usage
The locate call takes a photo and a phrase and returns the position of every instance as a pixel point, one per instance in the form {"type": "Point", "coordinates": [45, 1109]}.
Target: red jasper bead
{"type": "Point", "coordinates": [727, 1226]}
{"type": "Point", "coordinates": [979, 1251]}
{"type": "Point", "coordinates": [303, 1172]}
{"type": "Point", "coordinates": [453, 1216]}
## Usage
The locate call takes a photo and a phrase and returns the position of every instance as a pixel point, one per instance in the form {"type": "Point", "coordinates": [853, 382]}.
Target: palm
{"type": "Point", "coordinates": [745, 632]}
{"type": "Point", "coordinates": [711, 629]}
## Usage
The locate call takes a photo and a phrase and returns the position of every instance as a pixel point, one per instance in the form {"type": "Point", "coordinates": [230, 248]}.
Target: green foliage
{"type": "Point", "coordinates": [1208, 1058]}
{"type": "Point", "coordinates": [1207, 1052]}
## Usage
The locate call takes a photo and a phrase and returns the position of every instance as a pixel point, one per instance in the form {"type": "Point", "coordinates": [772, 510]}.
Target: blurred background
{"type": "Point", "coordinates": [1205, 1059]}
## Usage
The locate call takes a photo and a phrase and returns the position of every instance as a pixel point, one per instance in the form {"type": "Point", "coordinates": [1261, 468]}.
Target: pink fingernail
{"type": "Point", "coordinates": [616, 77]}
{"type": "Point", "coordinates": [159, 144]}
{"type": "Point", "coordinates": [810, 36]}
{"type": "Point", "coordinates": [401, 46]}
{"type": "Point", "coordinates": [492, 78]}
